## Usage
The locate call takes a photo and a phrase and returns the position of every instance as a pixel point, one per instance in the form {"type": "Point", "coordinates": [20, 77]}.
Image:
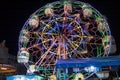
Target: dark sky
{"type": "Point", "coordinates": [13, 15]}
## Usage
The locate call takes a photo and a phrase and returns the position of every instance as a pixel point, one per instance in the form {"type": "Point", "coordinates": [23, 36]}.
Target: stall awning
{"type": "Point", "coordinates": [84, 62]}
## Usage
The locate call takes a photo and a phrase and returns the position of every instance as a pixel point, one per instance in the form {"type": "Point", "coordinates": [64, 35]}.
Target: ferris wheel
{"type": "Point", "coordinates": [62, 30]}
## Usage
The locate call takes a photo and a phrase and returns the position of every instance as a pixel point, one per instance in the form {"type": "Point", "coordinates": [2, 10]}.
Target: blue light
{"type": "Point", "coordinates": [25, 77]}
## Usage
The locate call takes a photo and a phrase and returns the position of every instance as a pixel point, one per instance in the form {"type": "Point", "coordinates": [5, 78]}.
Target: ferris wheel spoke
{"type": "Point", "coordinates": [46, 60]}
{"type": "Point", "coordinates": [78, 36]}
{"type": "Point", "coordinates": [44, 55]}
{"type": "Point", "coordinates": [79, 55]}
{"type": "Point", "coordinates": [35, 45]}
{"type": "Point", "coordinates": [63, 31]}
{"type": "Point", "coordinates": [49, 60]}
{"type": "Point", "coordinates": [71, 43]}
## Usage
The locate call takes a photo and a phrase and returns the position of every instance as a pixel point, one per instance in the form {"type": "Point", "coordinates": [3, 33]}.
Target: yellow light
{"type": "Point", "coordinates": [3, 68]}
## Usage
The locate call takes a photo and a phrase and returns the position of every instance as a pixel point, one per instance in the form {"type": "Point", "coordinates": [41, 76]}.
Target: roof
{"type": "Point", "coordinates": [84, 62]}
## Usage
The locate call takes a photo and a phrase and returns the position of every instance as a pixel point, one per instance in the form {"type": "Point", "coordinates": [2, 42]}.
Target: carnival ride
{"type": "Point", "coordinates": [85, 68]}
{"type": "Point", "coordinates": [62, 30]}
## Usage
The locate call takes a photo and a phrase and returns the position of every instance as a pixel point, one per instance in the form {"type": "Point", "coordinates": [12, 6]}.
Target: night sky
{"type": "Point", "coordinates": [13, 15]}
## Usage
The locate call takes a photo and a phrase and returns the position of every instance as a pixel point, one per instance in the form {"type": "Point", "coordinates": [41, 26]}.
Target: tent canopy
{"type": "Point", "coordinates": [85, 62]}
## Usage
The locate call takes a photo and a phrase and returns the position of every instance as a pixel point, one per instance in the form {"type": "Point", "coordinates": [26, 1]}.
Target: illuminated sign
{"type": "Point", "coordinates": [25, 77]}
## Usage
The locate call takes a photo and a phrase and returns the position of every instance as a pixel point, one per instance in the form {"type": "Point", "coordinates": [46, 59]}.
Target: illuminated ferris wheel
{"type": "Point", "coordinates": [62, 30]}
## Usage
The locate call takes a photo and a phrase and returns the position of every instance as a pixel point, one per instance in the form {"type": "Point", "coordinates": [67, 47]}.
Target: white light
{"type": "Point", "coordinates": [24, 78]}
{"type": "Point", "coordinates": [91, 69]}
{"type": "Point", "coordinates": [103, 74]}
{"type": "Point", "coordinates": [31, 69]}
{"type": "Point", "coordinates": [23, 57]}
